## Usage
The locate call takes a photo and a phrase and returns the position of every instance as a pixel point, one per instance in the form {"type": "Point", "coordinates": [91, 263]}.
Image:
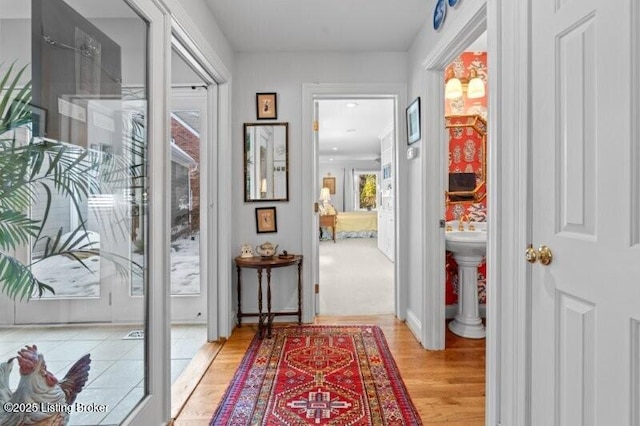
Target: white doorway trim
{"type": "Point", "coordinates": [508, 316]}
{"type": "Point", "coordinates": [448, 48]}
{"type": "Point", "coordinates": [199, 54]}
{"type": "Point", "coordinates": [312, 92]}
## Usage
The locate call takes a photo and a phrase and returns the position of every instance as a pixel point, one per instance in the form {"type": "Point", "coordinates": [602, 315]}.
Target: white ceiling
{"type": "Point", "coordinates": [355, 132]}
{"type": "Point", "coordinates": [328, 25]}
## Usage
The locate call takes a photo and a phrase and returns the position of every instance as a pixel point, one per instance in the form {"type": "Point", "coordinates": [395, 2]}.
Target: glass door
{"type": "Point", "coordinates": [74, 125]}
{"type": "Point", "coordinates": [88, 200]}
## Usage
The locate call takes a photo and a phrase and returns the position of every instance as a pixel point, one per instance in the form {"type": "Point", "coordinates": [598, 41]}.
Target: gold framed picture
{"type": "Point", "coordinates": [266, 106]}
{"type": "Point", "coordinates": [266, 220]}
{"type": "Point", "coordinates": [329, 182]}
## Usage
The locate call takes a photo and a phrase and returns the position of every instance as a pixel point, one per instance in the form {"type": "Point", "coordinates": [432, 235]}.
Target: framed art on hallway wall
{"type": "Point", "coordinates": [266, 106]}
{"type": "Point", "coordinates": [266, 220]}
{"type": "Point", "coordinates": [413, 121]}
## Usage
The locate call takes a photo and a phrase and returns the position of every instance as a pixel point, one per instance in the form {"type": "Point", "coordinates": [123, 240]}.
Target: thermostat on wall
{"type": "Point", "coordinates": [412, 153]}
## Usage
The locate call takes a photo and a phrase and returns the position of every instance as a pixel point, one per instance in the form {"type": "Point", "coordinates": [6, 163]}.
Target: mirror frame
{"type": "Point", "coordinates": [479, 124]}
{"type": "Point", "coordinates": [244, 156]}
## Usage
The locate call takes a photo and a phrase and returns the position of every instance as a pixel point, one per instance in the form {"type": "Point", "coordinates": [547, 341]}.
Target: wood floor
{"type": "Point", "coordinates": [445, 386]}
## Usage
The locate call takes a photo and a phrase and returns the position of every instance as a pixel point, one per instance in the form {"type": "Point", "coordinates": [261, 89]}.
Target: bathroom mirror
{"type": "Point", "coordinates": [266, 162]}
{"type": "Point", "coordinates": [467, 158]}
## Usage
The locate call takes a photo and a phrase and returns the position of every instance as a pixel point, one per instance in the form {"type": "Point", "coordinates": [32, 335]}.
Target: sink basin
{"type": "Point", "coordinates": [466, 243]}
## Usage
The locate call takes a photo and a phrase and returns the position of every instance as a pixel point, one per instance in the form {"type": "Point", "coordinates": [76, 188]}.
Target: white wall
{"type": "Point", "coordinates": [285, 73]}
{"type": "Point", "coordinates": [202, 23]}
{"type": "Point", "coordinates": [342, 200]}
{"type": "Point", "coordinates": [424, 171]}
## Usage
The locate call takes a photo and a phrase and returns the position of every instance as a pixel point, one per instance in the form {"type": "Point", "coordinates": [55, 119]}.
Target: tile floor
{"type": "Point", "coordinates": [116, 378]}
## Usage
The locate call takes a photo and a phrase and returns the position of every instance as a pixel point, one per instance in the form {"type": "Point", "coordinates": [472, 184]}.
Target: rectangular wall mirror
{"type": "Point", "coordinates": [266, 162]}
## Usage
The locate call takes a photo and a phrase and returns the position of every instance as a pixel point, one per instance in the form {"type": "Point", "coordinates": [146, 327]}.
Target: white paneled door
{"type": "Point", "coordinates": [586, 302]}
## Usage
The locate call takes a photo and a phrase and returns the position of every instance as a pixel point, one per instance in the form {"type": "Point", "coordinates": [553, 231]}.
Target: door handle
{"type": "Point", "coordinates": [543, 254]}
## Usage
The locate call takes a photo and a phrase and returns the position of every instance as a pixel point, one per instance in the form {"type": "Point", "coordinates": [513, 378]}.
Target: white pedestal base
{"type": "Point", "coordinates": [467, 322]}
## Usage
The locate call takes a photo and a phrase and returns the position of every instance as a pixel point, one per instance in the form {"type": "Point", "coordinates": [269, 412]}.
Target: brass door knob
{"type": "Point", "coordinates": [543, 254]}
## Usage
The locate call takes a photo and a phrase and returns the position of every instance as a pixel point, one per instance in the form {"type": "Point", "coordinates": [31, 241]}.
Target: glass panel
{"type": "Point", "coordinates": [185, 202]}
{"type": "Point", "coordinates": [73, 227]}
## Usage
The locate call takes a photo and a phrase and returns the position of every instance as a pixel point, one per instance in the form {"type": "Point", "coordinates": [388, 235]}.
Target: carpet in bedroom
{"type": "Point", "coordinates": [355, 278]}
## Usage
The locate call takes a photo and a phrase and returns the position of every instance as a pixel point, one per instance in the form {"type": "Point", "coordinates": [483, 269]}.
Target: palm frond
{"type": "Point", "coordinates": [17, 280]}
{"type": "Point", "coordinates": [16, 228]}
{"type": "Point", "coordinates": [14, 104]}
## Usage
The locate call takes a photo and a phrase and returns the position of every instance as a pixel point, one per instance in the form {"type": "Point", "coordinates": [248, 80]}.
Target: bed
{"type": "Point", "coordinates": [359, 224]}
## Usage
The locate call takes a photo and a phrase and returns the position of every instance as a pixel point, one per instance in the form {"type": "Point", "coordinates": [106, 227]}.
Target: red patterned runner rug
{"type": "Point", "coordinates": [318, 375]}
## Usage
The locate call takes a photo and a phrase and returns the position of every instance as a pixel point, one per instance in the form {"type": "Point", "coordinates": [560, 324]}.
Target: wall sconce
{"type": "Point", "coordinates": [454, 87]}
{"type": "Point", "coordinates": [263, 186]}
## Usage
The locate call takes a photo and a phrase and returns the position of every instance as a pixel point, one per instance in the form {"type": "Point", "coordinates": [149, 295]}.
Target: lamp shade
{"type": "Point", "coordinates": [324, 194]}
{"type": "Point", "coordinates": [263, 185]}
{"type": "Point", "coordinates": [476, 88]}
{"type": "Point", "coordinates": [453, 89]}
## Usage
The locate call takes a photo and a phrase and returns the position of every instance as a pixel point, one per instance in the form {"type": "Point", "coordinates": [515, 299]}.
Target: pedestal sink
{"type": "Point", "coordinates": [468, 248]}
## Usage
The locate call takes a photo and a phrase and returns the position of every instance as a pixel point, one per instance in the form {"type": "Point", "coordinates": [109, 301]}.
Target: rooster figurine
{"type": "Point", "coordinates": [40, 399]}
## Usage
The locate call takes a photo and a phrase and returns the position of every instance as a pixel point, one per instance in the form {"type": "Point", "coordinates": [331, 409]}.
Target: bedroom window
{"type": "Point", "coordinates": [366, 189]}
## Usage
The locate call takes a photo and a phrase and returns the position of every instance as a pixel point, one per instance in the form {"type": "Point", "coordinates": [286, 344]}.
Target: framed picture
{"type": "Point", "coordinates": [38, 117]}
{"type": "Point", "coordinates": [266, 220]}
{"type": "Point", "coordinates": [413, 121]}
{"type": "Point", "coordinates": [329, 182]}
{"type": "Point", "coordinates": [266, 106]}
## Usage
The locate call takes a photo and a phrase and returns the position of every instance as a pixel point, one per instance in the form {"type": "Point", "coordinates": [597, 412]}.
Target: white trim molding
{"type": "Point", "coordinates": [454, 40]}
{"type": "Point", "coordinates": [315, 91]}
{"type": "Point", "coordinates": [509, 217]}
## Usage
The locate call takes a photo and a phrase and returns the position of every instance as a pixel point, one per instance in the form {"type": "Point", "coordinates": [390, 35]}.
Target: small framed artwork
{"type": "Point", "coordinates": [266, 106]}
{"type": "Point", "coordinates": [413, 121]}
{"type": "Point", "coordinates": [266, 220]}
{"type": "Point", "coordinates": [329, 182]}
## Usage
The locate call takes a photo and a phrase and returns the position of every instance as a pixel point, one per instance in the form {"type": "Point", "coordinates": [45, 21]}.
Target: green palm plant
{"type": "Point", "coordinates": [53, 167]}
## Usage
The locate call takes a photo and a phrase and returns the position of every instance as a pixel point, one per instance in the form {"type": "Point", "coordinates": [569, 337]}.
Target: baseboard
{"type": "Point", "coordinates": [451, 311]}
{"type": "Point", "coordinates": [414, 324]}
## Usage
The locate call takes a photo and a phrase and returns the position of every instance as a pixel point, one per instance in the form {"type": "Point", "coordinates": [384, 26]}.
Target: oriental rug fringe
{"type": "Point", "coordinates": [318, 375]}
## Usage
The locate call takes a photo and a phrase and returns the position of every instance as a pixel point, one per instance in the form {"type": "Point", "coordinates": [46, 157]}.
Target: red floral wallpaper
{"type": "Point", "coordinates": [465, 155]}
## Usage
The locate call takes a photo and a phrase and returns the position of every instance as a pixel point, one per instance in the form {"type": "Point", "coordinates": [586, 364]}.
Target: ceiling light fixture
{"type": "Point", "coordinates": [455, 86]}
{"type": "Point", "coordinates": [351, 104]}
{"type": "Point", "coordinates": [335, 148]}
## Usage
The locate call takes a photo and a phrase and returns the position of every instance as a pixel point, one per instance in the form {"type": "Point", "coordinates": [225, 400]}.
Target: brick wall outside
{"type": "Point", "coordinates": [190, 144]}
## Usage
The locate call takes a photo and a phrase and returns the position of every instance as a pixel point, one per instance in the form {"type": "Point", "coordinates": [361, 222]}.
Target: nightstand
{"type": "Point", "coordinates": [329, 221]}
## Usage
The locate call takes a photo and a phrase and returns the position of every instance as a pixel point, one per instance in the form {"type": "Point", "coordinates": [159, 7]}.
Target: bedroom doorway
{"type": "Point", "coordinates": [356, 168]}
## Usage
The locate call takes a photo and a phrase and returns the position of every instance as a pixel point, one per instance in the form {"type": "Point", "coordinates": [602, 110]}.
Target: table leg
{"type": "Point", "coordinates": [260, 317]}
{"type": "Point", "coordinates": [300, 292]}
{"type": "Point", "coordinates": [333, 230]}
{"type": "Point", "coordinates": [239, 313]}
{"type": "Point", "coordinates": [269, 316]}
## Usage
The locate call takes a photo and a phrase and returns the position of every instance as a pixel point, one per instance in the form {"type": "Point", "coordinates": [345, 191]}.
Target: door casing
{"type": "Point", "coordinates": [311, 93]}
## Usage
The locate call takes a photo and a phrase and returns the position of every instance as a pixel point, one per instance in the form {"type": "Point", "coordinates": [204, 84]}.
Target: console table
{"type": "Point", "coordinates": [329, 221]}
{"type": "Point", "coordinates": [261, 264]}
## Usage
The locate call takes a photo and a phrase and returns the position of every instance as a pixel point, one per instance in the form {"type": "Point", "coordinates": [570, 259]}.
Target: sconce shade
{"type": "Point", "coordinates": [263, 185]}
{"type": "Point", "coordinates": [476, 88]}
{"type": "Point", "coordinates": [324, 194]}
{"type": "Point", "coordinates": [453, 89]}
